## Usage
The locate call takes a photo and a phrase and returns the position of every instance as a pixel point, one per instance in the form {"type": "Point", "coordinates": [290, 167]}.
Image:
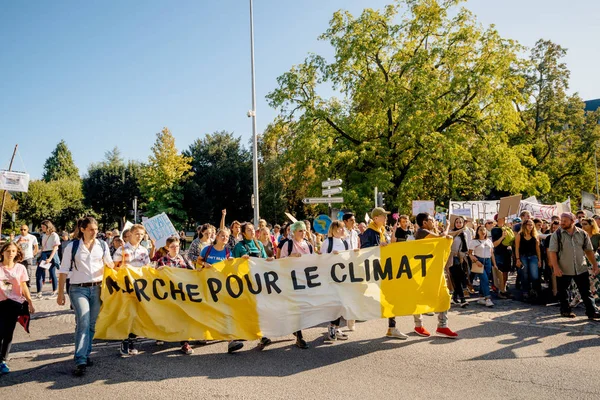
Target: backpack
{"type": "Point", "coordinates": [509, 239]}
{"type": "Point", "coordinates": [330, 245]}
{"type": "Point", "coordinates": [290, 244]}
{"type": "Point", "coordinates": [75, 247]}
{"type": "Point", "coordinates": [227, 252]}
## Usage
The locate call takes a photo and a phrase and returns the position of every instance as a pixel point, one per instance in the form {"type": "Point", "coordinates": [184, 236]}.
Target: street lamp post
{"type": "Point", "coordinates": [252, 113]}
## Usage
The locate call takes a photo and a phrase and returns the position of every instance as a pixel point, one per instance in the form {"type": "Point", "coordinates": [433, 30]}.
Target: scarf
{"type": "Point", "coordinates": [381, 229]}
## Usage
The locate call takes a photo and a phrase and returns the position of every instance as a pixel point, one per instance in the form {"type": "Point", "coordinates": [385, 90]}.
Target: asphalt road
{"type": "Point", "coordinates": [513, 351]}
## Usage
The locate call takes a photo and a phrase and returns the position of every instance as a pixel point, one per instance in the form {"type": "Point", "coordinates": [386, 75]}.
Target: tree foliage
{"type": "Point", "coordinates": [222, 179]}
{"type": "Point", "coordinates": [60, 201]}
{"type": "Point", "coordinates": [110, 186]}
{"type": "Point", "coordinates": [162, 177]}
{"type": "Point", "coordinates": [427, 104]}
{"type": "Point", "coordinates": [60, 164]}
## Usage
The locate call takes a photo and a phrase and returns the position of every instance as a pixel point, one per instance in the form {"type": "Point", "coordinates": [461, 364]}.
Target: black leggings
{"type": "Point", "coordinates": [336, 322]}
{"type": "Point", "coordinates": [9, 314]}
{"type": "Point", "coordinates": [457, 275]}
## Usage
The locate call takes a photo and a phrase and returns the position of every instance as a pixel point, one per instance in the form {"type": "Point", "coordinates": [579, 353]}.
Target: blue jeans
{"type": "Point", "coordinates": [484, 278]}
{"type": "Point", "coordinates": [530, 272]}
{"type": "Point", "coordinates": [86, 303]}
{"type": "Point", "coordinates": [40, 273]}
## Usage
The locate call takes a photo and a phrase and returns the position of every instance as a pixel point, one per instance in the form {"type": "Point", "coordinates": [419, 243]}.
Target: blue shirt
{"type": "Point", "coordinates": [215, 255]}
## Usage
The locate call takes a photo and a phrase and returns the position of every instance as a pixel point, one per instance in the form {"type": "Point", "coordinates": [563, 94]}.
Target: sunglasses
{"type": "Point", "coordinates": [23, 230]}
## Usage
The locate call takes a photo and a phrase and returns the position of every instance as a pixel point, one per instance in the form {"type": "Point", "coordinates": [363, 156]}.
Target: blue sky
{"type": "Point", "coordinates": [106, 73]}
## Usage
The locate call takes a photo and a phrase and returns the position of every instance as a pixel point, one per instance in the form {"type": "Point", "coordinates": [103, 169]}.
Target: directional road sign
{"type": "Point", "coordinates": [322, 200]}
{"type": "Point", "coordinates": [332, 182]}
{"type": "Point", "coordinates": [334, 190]}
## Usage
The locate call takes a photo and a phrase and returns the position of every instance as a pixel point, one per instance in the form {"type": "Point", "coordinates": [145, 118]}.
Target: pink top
{"type": "Point", "coordinates": [10, 282]}
{"type": "Point", "coordinates": [298, 248]}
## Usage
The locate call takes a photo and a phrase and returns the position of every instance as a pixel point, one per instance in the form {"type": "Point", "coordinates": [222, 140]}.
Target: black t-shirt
{"type": "Point", "coordinates": [497, 234]}
{"type": "Point", "coordinates": [402, 235]}
{"type": "Point", "coordinates": [421, 234]}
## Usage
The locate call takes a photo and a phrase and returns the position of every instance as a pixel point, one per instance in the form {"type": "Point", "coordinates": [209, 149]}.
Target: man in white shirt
{"type": "Point", "coordinates": [30, 248]}
{"type": "Point", "coordinates": [350, 230]}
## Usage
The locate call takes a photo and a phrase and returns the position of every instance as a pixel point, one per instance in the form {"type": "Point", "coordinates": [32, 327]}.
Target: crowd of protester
{"type": "Point", "coordinates": [552, 261]}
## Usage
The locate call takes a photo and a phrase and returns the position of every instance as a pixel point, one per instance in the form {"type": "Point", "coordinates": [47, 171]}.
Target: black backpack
{"type": "Point", "coordinates": [330, 244]}
{"type": "Point", "coordinates": [75, 247]}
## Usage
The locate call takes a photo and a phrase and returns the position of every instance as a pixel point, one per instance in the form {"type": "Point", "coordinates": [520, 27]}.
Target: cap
{"type": "Point", "coordinates": [517, 220]}
{"type": "Point", "coordinates": [378, 211]}
{"type": "Point", "coordinates": [568, 215]}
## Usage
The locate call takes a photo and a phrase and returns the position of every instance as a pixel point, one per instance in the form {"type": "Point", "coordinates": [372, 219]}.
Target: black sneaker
{"type": "Point", "coordinates": [80, 370]}
{"type": "Point", "coordinates": [132, 350]}
{"type": "Point", "coordinates": [301, 343]}
{"type": "Point", "coordinates": [464, 303]}
{"type": "Point", "coordinates": [594, 316]}
{"type": "Point", "coordinates": [264, 342]}
{"type": "Point", "coordinates": [234, 345]}
{"type": "Point", "coordinates": [89, 362]}
{"type": "Point", "coordinates": [124, 348]}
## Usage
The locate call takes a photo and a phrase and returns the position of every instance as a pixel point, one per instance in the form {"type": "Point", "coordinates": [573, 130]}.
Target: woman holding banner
{"type": "Point", "coordinates": [248, 247]}
{"type": "Point", "coordinates": [296, 247]}
{"type": "Point", "coordinates": [85, 271]}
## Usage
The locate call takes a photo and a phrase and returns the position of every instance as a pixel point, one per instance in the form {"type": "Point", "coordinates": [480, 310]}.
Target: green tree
{"type": "Point", "coordinates": [561, 135]}
{"type": "Point", "coordinates": [60, 164]}
{"type": "Point", "coordinates": [60, 201]}
{"type": "Point", "coordinates": [222, 179]}
{"type": "Point", "coordinates": [426, 107]}
{"type": "Point", "coordinates": [162, 177]}
{"type": "Point", "coordinates": [110, 186]}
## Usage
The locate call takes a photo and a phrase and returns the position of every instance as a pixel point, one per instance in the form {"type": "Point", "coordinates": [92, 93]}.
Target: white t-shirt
{"type": "Point", "coordinates": [89, 265]}
{"type": "Point", "coordinates": [338, 245]}
{"type": "Point", "coordinates": [48, 242]}
{"type": "Point", "coordinates": [352, 238]}
{"type": "Point", "coordinates": [27, 244]}
{"type": "Point", "coordinates": [138, 257]}
{"type": "Point", "coordinates": [481, 248]}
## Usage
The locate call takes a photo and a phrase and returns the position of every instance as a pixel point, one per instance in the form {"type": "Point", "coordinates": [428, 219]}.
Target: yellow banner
{"type": "Point", "coordinates": [248, 299]}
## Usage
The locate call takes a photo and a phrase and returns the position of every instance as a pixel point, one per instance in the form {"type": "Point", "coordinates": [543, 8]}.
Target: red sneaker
{"type": "Point", "coordinates": [421, 331]}
{"type": "Point", "coordinates": [447, 332]}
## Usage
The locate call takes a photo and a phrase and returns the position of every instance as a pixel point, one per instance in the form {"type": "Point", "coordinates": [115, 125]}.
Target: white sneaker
{"type": "Point", "coordinates": [351, 324]}
{"type": "Point", "coordinates": [38, 296]}
{"type": "Point", "coordinates": [481, 302]}
{"type": "Point", "coordinates": [339, 335]}
{"type": "Point", "coordinates": [53, 295]}
{"type": "Point", "coordinates": [488, 303]}
{"type": "Point", "coordinates": [395, 333]}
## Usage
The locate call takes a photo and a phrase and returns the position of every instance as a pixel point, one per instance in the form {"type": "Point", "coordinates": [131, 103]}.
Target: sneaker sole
{"type": "Point", "coordinates": [397, 337]}
{"type": "Point", "coordinates": [446, 336]}
{"type": "Point", "coordinates": [422, 334]}
{"type": "Point", "coordinates": [238, 347]}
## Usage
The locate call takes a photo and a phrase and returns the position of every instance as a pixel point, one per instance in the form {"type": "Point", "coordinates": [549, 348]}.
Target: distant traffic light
{"type": "Point", "coordinates": [380, 199]}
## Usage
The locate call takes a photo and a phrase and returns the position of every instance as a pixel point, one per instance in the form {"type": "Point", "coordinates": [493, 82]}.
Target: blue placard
{"type": "Point", "coordinates": [340, 215]}
{"type": "Point", "coordinates": [321, 224]}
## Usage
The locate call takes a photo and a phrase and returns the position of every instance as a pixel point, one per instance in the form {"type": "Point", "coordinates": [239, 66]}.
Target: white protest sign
{"type": "Point", "coordinates": [484, 209]}
{"type": "Point", "coordinates": [14, 181]}
{"type": "Point", "coordinates": [423, 206]}
{"type": "Point", "coordinates": [127, 226]}
{"type": "Point", "coordinates": [587, 203]}
{"type": "Point", "coordinates": [545, 211]}
{"type": "Point", "coordinates": [159, 229]}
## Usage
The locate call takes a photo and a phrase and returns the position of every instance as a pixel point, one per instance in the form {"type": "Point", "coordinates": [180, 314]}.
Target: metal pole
{"type": "Point", "coordinates": [253, 115]}
{"type": "Point", "coordinates": [375, 196]}
{"type": "Point", "coordinates": [596, 164]}
{"type": "Point", "coordinates": [135, 209]}
{"type": "Point", "coordinates": [6, 191]}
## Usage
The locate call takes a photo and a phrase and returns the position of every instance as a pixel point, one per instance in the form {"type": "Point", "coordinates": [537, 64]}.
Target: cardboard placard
{"type": "Point", "coordinates": [509, 206]}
